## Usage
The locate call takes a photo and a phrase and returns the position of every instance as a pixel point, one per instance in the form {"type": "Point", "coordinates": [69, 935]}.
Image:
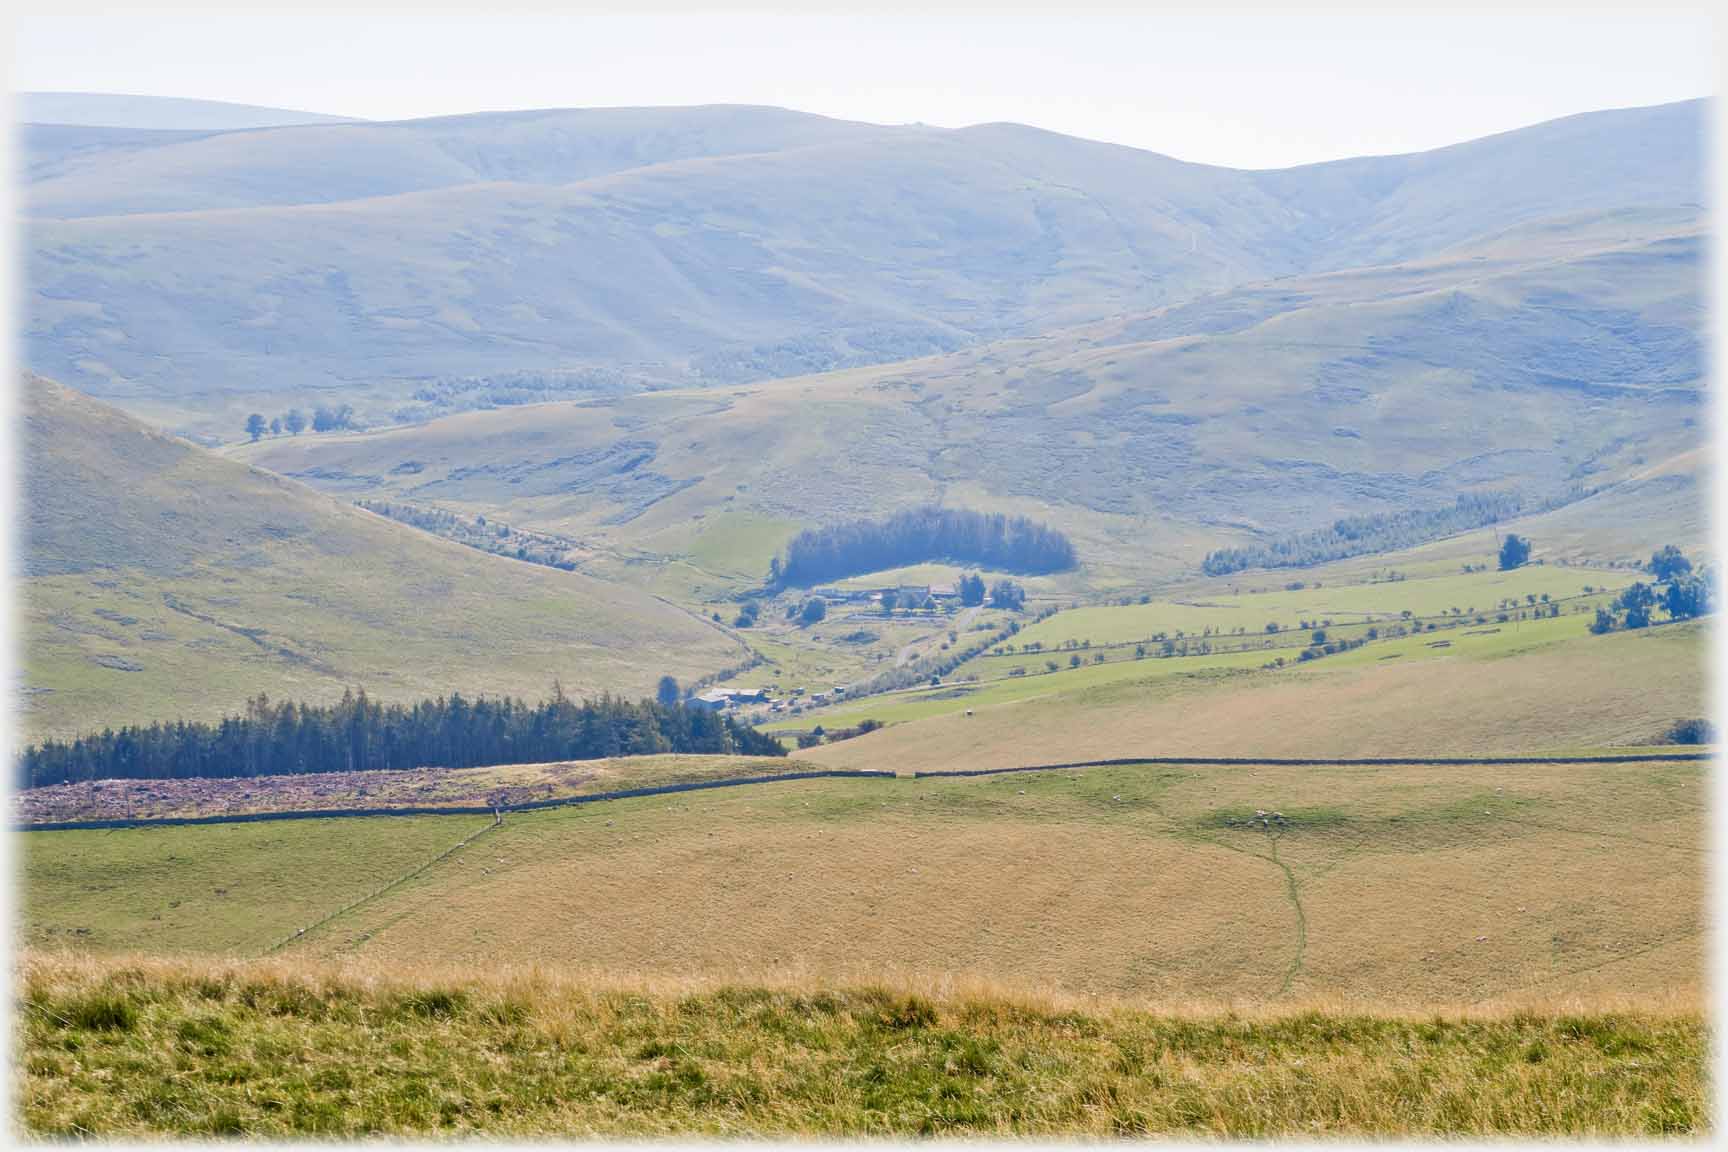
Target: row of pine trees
{"type": "Point", "coordinates": [359, 733]}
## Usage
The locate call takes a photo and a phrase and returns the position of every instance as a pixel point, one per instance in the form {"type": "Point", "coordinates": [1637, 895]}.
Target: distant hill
{"type": "Point", "coordinates": [160, 581]}
{"type": "Point", "coordinates": [1549, 360]}
{"type": "Point", "coordinates": [425, 266]}
{"type": "Point", "coordinates": [113, 110]}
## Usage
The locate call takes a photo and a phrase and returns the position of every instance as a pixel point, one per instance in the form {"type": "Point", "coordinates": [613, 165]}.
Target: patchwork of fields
{"type": "Point", "coordinates": [1213, 637]}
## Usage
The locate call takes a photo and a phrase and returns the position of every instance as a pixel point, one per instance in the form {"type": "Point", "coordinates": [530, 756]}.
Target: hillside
{"type": "Point", "coordinates": [160, 581]}
{"type": "Point", "coordinates": [1548, 360]}
{"type": "Point", "coordinates": [418, 266]}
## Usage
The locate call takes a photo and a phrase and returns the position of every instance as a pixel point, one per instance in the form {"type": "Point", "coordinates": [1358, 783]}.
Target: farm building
{"type": "Point", "coordinates": [717, 698]}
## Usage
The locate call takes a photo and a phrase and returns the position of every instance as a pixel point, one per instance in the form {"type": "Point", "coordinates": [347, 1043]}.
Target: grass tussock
{"type": "Point", "coordinates": [136, 1047]}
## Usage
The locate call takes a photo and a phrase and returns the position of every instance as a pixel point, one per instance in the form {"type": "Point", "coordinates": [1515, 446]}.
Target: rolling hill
{"type": "Point", "coordinates": [413, 267]}
{"type": "Point", "coordinates": [160, 581]}
{"type": "Point", "coordinates": [1550, 361]}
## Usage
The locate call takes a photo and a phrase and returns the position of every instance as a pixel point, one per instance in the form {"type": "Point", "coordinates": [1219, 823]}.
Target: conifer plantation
{"type": "Point", "coordinates": [359, 734]}
{"type": "Point", "coordinates": [987, 539]}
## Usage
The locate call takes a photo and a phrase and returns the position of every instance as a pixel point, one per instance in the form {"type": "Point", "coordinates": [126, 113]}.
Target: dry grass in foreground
{"type": "Point", "coordinates": [133, 1047]}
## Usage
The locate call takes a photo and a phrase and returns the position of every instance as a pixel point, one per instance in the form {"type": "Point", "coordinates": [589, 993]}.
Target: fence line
{"type": "Point", "coordinates": [1322, 761]}
{"type": "Point", "coordinates": [497, 821]}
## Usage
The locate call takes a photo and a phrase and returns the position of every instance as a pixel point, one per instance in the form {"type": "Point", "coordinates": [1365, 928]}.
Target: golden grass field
{"type": "Point", "coordinates": [1385, 885]}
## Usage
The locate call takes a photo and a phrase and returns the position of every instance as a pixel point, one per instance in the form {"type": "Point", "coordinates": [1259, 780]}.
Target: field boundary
{"type": "Point", "coordinates": [462, 810]}
{"type": "Point", "coordinates": [860, 774]}
{"type": "Point", "coordinates": [1323, 762]}
{"type": "Point", "coordinates": [497, 821]}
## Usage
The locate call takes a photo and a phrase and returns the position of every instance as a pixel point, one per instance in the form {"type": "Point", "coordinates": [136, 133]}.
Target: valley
{"type": "Point", "coordinates": [640, 622]}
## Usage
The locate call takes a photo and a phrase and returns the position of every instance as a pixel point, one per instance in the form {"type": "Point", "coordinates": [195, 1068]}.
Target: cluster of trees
{"type": "Point", "coordinates": [361, 734]}
{"type": "Point", "coordinates": [1360, 535]}
{"type": "Point", "coordinates": [1514, 552]}
{"type": "Point", "coordinates": [489, 536]}
{"type": "Point", "coordinates": [293, 421]}
{"type": "Point", "coordinates": [1678, 591]}
{"type": "Point", "coordinates": [988, 539]}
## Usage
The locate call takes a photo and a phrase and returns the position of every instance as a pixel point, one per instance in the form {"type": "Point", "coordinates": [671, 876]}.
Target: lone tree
{"type": "Point", "coordinates": [971, 590]}
{"type": "Point", "coordinates": [1514, 552]}
{"type": "Point", "coordinates": [814, 610]}
{"type": "Point", "coordinates": [1668, 564]}
{"type": "Point", "coordinates": [667, 691]}
{"type": "Point", "coordinates": [1007, 594]}
{"type": "Point", "coordinates": [276, 426]}
{"type": "Point", "coordinates": [294, 421]}
{"type": "Point", "coordinates": [255, 426]}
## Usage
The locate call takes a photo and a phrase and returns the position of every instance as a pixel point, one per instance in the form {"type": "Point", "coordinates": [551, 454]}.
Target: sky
{"type": "Point", "coordinates": [1224, 85]}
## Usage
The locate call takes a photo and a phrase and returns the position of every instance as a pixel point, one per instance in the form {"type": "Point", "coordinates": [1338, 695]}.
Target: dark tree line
{"type": "Point", "coordinates": [361, 734]}
{"type": "Point", "coordinates": [1359, 535]}
{"type": "Point", "coordinates": [988, 539]}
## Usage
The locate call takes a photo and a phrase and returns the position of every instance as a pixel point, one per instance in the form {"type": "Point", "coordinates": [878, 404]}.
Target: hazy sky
{"type": "Point", "coordinates": [1225, 85]}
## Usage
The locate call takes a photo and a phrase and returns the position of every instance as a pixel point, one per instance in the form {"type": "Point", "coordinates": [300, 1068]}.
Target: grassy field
{"type": "Point", "coordinates": [1208, 630]}
{"type": "Point", "coordinates": [237, 890]}
{"type": "Point", "coordinates": [992, 681]}
{"type": "Point", "coordinates": [1225, 605]}
{"type": "Point", "coordinates": [1528, 691]}
{"type": "Point", "coordinates": [145, 1048]}
{"type": "Point", "coordinates": [1398, 886]}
